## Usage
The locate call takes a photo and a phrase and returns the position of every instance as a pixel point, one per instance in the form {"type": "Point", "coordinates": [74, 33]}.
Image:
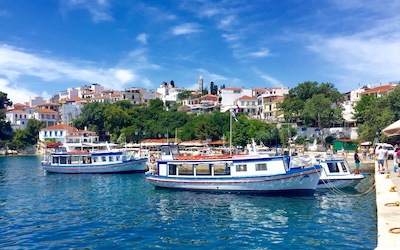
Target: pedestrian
{"type": "Point", "coordinates": [364, 154]}
{"type": "Point", "coordinates": [357, 161]}
{"type": "Point", "coordinates": [371, 153]}
{"type": "Point", "coordinates": [381, 155]}
{"type": "Point", "coordinates": [343, 151]}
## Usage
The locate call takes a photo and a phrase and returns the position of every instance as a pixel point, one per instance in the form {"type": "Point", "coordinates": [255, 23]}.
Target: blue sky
{"type": "Point", "coordinates": [47, 46]}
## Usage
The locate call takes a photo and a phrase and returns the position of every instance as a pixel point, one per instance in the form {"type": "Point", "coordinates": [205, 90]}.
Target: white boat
{"type": "Point", "coordinates": [336, 173]}
{"type": "Point", "coordinates": [232, 173]}
{"type": "Point", "coordinates": [93, 162]}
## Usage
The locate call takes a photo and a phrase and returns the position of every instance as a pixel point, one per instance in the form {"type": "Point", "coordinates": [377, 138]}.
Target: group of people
{"type": "Point", "coordinates": [381, 155]}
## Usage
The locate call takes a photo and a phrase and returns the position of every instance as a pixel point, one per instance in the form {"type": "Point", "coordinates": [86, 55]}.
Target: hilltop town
{"type": "Point", "coordinates": [261, 104]}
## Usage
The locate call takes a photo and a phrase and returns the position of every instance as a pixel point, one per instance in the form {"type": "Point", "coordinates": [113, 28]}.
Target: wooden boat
{"type": "Point", "coordinates": [336, 173]}
{"type": "Point", "coordinates": [94, 162]}
{"type": "Point", "coordinates": [232, 173]}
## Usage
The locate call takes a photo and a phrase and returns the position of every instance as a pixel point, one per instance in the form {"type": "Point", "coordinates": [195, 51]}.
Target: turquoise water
{"type": "Point", "coordinates": [56, 211]}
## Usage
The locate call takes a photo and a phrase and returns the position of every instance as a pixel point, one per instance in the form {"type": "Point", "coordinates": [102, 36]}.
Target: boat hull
{"type": "Point", "coordinates": [302, 182]}
{"type": "Point", "coordinates": [129, 166]}
{"type": "Point", "coordinates": [329, 183]}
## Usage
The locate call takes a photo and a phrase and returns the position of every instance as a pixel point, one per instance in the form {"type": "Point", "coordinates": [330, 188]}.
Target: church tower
{"type": "Point", "coordinates": [201, 84]}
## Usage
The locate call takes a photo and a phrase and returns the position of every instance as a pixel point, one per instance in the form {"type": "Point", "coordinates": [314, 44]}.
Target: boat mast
{"type": "Point", "coordinates": [230, 133]}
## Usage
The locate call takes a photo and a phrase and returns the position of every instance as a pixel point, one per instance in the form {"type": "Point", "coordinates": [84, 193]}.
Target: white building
{"type": "Point", "coordinates": [68, 94]}
{"type": "Point", "coordinates": [70, 111]}
{"type": "Point", "coordinates": [229, 96]}
{"type": "Point", "coordinates": [47, 116]}
{"type": "Point", "coordinates": [247, 105]}
{"type": "Point", "coordinates": [169, 93]}
{"type": "Point", "coordinates": [69, 137]}
{"type": "Point", "coordinates": [18, 119]}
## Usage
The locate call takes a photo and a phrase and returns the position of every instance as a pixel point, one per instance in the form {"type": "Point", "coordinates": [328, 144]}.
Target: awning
{"type": "Point", "coordinates": [392, 130]}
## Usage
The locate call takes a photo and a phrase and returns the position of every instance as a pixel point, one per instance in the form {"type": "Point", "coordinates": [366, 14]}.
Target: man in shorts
{"type": "Point", "coordinates": [381, 155]}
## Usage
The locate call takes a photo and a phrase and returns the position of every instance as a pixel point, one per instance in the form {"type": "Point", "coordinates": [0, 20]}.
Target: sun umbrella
{"type": "Point", "coordinates": [392, 129]}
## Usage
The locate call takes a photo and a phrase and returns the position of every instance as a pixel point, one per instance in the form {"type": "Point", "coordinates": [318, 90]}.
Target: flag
{"type": "Point", "coordinates": [238, 110]}
{"type": "Point", "coordinates": [234, 115]}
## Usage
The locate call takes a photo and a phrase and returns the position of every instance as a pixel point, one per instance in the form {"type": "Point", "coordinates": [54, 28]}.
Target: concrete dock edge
{"type": "Point", "coordinates": [387, 185]}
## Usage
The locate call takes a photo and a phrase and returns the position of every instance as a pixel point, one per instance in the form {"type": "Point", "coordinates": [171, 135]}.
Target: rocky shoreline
{"type": "Point", "coordinates": [27, 151]}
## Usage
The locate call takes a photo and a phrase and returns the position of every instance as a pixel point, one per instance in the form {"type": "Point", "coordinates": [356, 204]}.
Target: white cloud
{"type": "Point", "coordinates": [16, 93]}
{"type": "Point", "coordinates": [98, 9]}
{"type": "Point", "coordinates": [269, 79]}
{"type": "Point", "coordinates": [260, 53]}
{"type": "Point", "coordinates": [142, 38]}
{"type": "Point", "coordinates": [124, 75]}
{"type": "Point", "coordinates": [185, 29]}
{"type": "Point", "coordinates": [358, 59]}
{"type": "Point", "coordinates": [16, 65]}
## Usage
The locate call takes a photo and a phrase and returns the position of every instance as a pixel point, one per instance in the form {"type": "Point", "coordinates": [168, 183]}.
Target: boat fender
{"type": "Point", "coordinates": [152, 158]}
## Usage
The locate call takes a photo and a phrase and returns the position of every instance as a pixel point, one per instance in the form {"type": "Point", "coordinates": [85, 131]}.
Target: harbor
{"type": "Point", "coordinates": [125, 211]}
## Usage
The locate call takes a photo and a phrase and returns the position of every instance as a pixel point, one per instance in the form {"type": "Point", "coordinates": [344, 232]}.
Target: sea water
{"type": "Point", "coordinates": [123, 211]}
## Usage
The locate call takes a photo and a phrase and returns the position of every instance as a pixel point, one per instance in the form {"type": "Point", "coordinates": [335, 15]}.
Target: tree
{"type": "Point", "coordinates": [92, 116]}
{"type": "Point", "coordinates": [6, 131]}
{"type": "Point", "coordinates": [295, 101]}
{"type": "Point", "coordinates": [28, 136]}
{"type": "Point", "coordinates": [376, 114]}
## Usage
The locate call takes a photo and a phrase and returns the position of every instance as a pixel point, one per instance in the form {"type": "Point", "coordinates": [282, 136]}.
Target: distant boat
{"type": "Point", "coordinates": [93, 162]}
{"type": "Point", "coordinates": [259, 174]}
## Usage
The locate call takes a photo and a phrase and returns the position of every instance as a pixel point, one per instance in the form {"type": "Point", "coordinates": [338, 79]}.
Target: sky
{"type": "Point", "coordinates": [47, 46]}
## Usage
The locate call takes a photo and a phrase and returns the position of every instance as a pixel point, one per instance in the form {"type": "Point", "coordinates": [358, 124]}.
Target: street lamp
{"type": "Point", "coordinates": [139, 134]}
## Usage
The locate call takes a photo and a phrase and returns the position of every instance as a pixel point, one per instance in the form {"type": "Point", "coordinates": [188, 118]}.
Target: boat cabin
{"type": "Point", "coordinates": [173, 164]}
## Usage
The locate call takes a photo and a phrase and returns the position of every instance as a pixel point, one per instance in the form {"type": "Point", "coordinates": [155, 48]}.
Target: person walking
{"type": "Point", "coordinates": [371, 153]}
{"type": "Point", "coordinates": [381, 155]}
{"type": "Point", "coordinates": [357, 161]}
{"type": "Point", "coordinates": [364, 153]}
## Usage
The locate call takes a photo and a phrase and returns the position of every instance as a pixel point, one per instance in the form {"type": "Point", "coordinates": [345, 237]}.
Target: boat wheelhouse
{"type": "Point", "coordinates": [232, 173]}
{"type": "Point", "coordinates": [336, 173]}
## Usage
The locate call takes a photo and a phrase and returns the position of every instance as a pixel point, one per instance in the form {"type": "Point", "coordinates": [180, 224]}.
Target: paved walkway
{"type": "Point", "coordinates": [387, 185]}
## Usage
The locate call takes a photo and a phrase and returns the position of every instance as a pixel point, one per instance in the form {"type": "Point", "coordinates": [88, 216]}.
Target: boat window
{"type": "Point", "coordinates": [186, 169]}
{"type": "Point", "coordinates": [95, 159]}
{"type": "Point", "coordinates": [63, 160]}
{"type": "Point", "coordinates": [203, 169]}
{"type": "Point", "coordinates": [110, 159]}
{"type": "Point", "coordinates": [172, 169]}
{"type": "Point", "coordinates": [221, 169]}
{"type": "Point", "coordinates": [86, 159]}
{"type": "Point", "coordinates": [165, 151]}
{"type": "Point", "coordinates": [241, 168]}
{"type": "Point", "coordinates": [56, 160]}
{"type": "Point", "coordinates": [117, 158]}
{"type": "Point", "coordinates": [261, 166]}
{"type": "Point", "coordinates": [333, 168]}
{"type": "Point", "coordinates": [75, 159]}
{"type": "Point", "coordinates": [103, 159]}
{"type": "Point", "coordinates": [343, 167]}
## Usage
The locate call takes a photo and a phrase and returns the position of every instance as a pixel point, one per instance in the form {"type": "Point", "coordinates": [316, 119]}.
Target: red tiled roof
{"type": "Point", "coordinates": [378, 89]}
{"type": "Point", "coordinates": [20, 105]}
{"type": "Point", "coordinates": [232, 88]}
{"type": "Point", "coordinates": [74, 99]}
{"type": "Point", "coordinates": [246, 97]}
{"type": "Point", "coordinates": [46, 111]}
{"type": "Point", "coordinates": [48, 103]}
{"type": "Point", "coordinates": [17, 111]}
{"type": "Point", "coordinates": [260, 89]}
{"type": "Point", "coordinates": [61, 127]}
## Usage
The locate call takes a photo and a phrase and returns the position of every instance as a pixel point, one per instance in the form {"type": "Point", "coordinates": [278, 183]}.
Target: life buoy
{"type": "Point", "coordinates": [152, 158]}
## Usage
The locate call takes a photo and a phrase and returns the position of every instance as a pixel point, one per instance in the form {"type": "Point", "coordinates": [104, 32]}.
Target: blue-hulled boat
{"type": "Point", "coordinates": [259, 174]}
